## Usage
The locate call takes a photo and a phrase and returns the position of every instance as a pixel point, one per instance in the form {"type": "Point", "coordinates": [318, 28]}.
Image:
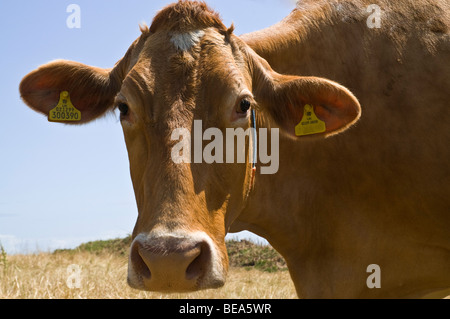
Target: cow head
{"type": "Point", "coordinates": [187, 66]}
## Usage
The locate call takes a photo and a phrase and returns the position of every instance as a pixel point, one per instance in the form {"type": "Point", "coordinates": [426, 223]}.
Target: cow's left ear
{"type": "Point", "coordinates": [304, 106]}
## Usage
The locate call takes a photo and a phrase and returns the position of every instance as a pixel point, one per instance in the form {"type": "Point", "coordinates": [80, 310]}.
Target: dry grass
{"type": "Point", "coordinates": [104, 276]}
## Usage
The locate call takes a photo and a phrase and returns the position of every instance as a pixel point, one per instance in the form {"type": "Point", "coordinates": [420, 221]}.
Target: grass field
{"type": "Point", "coordinates": [101, 267]}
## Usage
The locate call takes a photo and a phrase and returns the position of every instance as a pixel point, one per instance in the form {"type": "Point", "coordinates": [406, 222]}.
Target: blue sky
{"type": "Point", "coordinates": [63, 185]}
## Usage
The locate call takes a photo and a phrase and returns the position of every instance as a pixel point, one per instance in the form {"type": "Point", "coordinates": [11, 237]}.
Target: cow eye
{"type": "Point", "coordinates": [123, 108]}
{"type": "Point", "coordinates": [244, 106]}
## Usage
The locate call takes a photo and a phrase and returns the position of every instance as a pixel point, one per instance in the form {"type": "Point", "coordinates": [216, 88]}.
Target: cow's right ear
{"type": "Point", "coordinates": [91, 90]}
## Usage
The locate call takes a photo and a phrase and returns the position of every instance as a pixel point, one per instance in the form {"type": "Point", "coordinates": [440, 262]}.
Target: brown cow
{"type": "Point", "coordinates": [373, 199]}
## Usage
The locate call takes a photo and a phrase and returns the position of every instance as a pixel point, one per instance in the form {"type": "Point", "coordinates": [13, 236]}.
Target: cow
{"type": "Point", "coordinates": [359, 207]}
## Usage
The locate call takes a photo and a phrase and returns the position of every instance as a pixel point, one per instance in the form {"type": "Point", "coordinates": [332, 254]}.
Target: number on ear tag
{"type": "Point", "coordinates": [64, 111]}
{"type": "Point", "coordinates": [310, 123]}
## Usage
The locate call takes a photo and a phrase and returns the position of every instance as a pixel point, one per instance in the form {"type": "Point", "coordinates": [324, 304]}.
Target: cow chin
{"type": "Point", "coordinates": [175, 262]}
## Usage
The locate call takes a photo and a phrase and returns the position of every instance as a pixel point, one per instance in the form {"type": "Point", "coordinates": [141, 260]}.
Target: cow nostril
{"type": "Point", "coordinates": [138, 262]}
{"type": "Point", "coordinates": [198, 266]}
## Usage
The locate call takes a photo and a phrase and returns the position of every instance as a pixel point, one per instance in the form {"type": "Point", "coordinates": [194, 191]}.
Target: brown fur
{"type": "Point", "coordinates": [186, 16]}
{"type": "Point", "coordinates": [376, 194]}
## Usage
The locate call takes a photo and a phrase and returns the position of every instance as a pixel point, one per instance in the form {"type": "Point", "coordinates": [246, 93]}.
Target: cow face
{"type": "Point", "coordinates": [188, 67]}
{"type": "Point", "coordinates": [185, 207]}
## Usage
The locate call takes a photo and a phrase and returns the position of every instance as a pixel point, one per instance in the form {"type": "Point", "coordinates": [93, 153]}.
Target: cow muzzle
{"type": "Point", "coordinates": [174, 262]}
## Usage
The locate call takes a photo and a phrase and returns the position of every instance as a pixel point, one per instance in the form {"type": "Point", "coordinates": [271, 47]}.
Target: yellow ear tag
{"type": "Point", "coordinates": [310, 123]}
{"type": "Point", "coordinates": [64, 111]}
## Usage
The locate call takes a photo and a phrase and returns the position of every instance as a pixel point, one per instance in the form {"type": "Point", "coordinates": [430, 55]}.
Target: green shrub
{"type": "Point", "coordinates": [241, 253]}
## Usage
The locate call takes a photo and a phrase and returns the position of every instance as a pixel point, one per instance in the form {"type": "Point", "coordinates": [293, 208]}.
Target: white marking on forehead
{"type": "Point", "coordinates": [185, 41]}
